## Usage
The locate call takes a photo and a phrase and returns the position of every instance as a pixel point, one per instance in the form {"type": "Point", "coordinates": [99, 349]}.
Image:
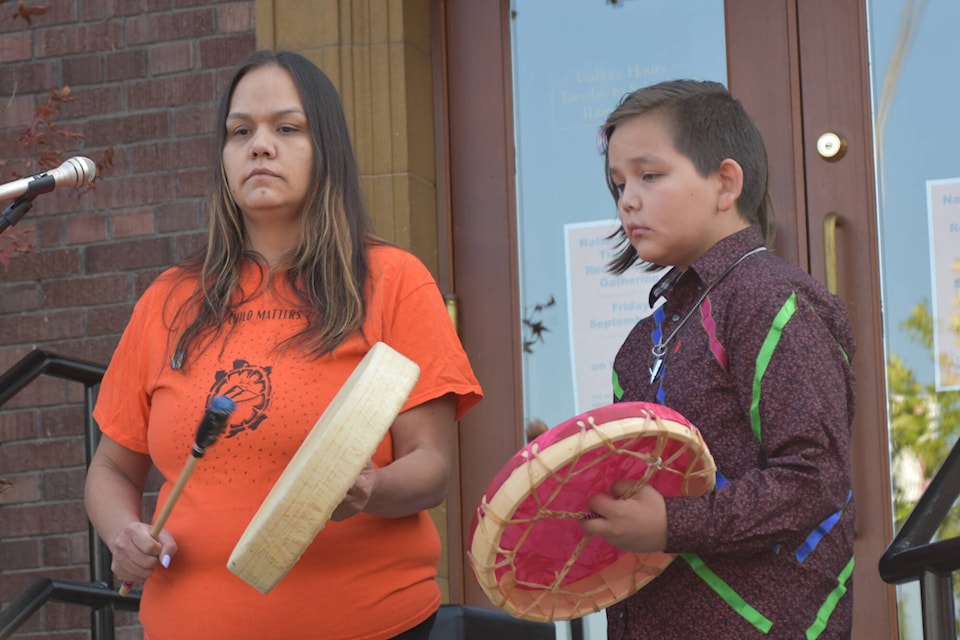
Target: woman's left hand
{"type": "Point", "coordinates": [358, 495]}
{"type": "Point", "coordinates": [423, 442]}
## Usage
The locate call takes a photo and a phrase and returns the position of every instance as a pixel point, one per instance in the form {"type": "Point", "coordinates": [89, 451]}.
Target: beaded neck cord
{"type": "Point", "coordinates": [659, 349]}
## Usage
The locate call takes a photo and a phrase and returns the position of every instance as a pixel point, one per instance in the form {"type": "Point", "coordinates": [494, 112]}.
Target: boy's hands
{"type": "Point", "coordinates": [637, 524]}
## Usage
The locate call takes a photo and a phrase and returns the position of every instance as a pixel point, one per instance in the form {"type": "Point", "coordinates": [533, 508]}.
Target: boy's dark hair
{"type": "Point", "coordinates": [708, 125]}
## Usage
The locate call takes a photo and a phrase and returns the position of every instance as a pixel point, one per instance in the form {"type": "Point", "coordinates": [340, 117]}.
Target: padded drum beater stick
{"type": "Point", "coordinates": [213, 423]}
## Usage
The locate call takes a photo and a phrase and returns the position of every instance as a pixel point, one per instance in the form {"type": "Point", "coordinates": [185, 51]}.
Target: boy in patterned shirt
{"type": "Point", "coordinates": [753, 351]}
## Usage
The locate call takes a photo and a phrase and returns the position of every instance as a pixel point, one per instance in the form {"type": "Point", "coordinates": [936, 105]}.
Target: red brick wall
{"type": "Point", "coordinates": [146, 77]}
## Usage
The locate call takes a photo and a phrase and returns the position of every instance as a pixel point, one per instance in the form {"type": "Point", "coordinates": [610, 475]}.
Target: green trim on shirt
{"type": "Point", "coordinates": [617, 389]}
{"type": "Point", "coordinates": [823, 615]}
{"type": "Point", "coordinates": [766, 353]}
{"type": "Point", "coordinates": [725, 591]}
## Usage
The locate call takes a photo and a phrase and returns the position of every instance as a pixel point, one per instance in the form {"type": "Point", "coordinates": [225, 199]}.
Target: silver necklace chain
{"type": "Point", "coordinates": [659, 350]}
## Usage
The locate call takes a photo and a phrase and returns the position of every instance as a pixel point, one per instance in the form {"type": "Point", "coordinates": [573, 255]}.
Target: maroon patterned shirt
{"type": "Point", "coordinates": [763, 369]}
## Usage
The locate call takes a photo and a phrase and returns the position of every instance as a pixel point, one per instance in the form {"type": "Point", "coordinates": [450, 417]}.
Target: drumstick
{"type": "Point", "coordinates": [213, 423]}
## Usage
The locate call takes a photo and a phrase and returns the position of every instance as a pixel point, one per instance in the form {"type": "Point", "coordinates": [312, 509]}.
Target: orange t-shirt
{"type": "Point", "coordinates": [363, 578]}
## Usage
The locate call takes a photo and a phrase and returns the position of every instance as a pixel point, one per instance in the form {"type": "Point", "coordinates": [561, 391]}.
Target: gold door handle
{"type": "Point", "coordinates": [830, 250]}
{"type": "Point", "coordinates": [450, 300]}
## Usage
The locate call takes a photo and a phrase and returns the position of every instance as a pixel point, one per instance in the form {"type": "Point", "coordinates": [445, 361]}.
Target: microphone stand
{"type": "Point", "coordinates": [17, 209]}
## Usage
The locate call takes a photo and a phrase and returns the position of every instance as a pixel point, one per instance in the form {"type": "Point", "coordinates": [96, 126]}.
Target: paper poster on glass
{"type": "Point", "coordinates": [943, 208]}
{"type": "Point", "coordinates": [603, 308]}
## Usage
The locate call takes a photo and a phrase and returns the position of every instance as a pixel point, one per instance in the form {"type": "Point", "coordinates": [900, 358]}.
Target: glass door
{"type": "Point", "coordinates": [572, 61]}
{"type": "Point", "coordinates": [914, 52]}
{"type": "Point", "coordinates": [525, 84]}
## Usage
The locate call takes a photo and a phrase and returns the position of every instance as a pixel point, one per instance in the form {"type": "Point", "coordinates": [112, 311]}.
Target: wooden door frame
{"type": "Point", "coordinates": [791, 103]}
{"type": "Point", "coordinates": [836, 97]}
{"type": "Point", "coordinates": [796, 93]}
{"type": "Point", "coordinates": [480, 193]}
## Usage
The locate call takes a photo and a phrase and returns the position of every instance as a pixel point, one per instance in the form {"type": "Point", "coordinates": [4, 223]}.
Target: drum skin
{"type": "Point", "coordinates": [323, 469]}
{"type": "Point", "coordinates": [527, 548]}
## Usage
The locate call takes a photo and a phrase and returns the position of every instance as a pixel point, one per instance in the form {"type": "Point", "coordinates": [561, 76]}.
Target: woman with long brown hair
{"type": "Point", "coordinates": [288, 295]}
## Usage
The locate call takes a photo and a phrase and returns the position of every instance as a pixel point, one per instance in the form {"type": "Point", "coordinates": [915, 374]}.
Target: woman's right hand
{"type": "Point", "coordinates": [136, 554]}
{"type": "Point", "coordinates": [113, 497]}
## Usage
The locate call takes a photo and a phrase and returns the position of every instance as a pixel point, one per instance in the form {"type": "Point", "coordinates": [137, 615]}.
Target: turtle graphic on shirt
{"type": "Point", "coordinates": [249, 386]}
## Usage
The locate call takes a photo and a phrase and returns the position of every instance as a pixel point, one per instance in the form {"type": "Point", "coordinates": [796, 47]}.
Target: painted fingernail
{"type": "Point", "coordinates": [165, 561]}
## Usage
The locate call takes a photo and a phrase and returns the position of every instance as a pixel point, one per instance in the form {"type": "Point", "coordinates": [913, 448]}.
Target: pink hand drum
{"type": "Point", "coordinates": [527, 548]}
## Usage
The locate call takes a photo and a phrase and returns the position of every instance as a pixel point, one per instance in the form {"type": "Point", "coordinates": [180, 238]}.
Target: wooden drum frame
{"type": "Point", "coordinates": [324, 467]}
{"type": "Point", "coordinates": [527, 548]}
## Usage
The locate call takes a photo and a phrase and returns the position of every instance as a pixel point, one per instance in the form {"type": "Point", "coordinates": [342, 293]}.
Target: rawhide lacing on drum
{"type": "Point", "coordinates": [529, 552]}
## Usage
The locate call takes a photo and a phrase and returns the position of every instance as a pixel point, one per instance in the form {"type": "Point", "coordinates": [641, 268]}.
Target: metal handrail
{"type": "Point", "coordinates": [99, 594]}
{"type": "Point", "coordinates": [39, 362]}
{"type": "Point", "coordinates": [912, 556]}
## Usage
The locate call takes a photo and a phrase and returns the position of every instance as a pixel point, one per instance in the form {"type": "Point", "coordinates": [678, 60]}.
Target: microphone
{"type": "Point", "coordinates": [74, 172]}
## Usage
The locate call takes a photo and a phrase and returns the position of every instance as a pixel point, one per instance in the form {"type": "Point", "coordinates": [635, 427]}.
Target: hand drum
{"type": "Point", "coordinates": [324, 467]}
{"type": "Point", "coordinates": [527, 549]}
